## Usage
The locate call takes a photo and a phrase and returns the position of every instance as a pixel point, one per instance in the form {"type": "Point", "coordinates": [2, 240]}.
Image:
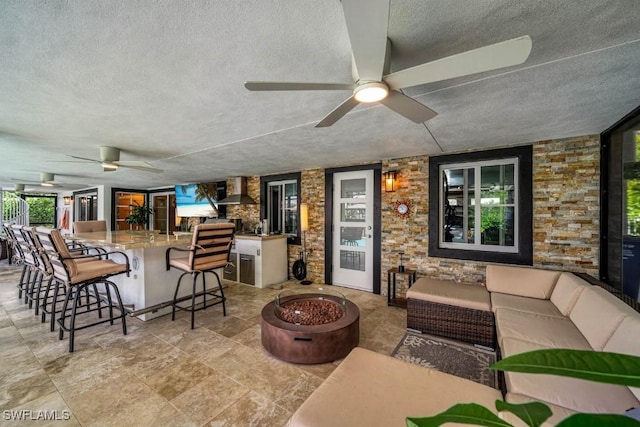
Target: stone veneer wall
{"type": "Point", "coordinates": [312, 193]}
{"type": "Point", "coordinates": [566, 215]}
{"type": "Point", "coordinates": [566, 201]}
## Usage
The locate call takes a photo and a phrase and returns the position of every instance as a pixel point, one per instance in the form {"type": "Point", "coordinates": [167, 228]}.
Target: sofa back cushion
{"type": "Point", "coordinates": [521, 281]}
{"type": "Point", "coordinates": [566, 292]}
{"type": "Point", "coordinates": [625, 340]}
{"type": "Point", "coordinates": [597, 314]}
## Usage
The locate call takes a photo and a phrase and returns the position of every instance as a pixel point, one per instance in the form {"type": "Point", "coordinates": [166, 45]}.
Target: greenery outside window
{"type": "Point", "coordinates": [484, 219]}
{"type": "Point", "coordinates": [480, 206]}
{"type": "Point", "coordinates": [280, 204]}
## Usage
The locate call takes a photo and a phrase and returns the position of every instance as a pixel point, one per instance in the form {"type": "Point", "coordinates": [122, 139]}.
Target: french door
{"type": "Point", "coordinates": [353, 229]}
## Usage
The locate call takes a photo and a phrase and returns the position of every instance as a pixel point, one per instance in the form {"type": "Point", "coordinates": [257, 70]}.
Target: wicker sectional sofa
{"type": "Point", "coordinates": [520, 309]}
{"type": "Point", "coordinates": [536, 309]}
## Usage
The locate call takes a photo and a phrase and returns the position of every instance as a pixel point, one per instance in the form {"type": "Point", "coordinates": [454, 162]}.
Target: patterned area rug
{"type": "Point", "coordinates": [452, 357]}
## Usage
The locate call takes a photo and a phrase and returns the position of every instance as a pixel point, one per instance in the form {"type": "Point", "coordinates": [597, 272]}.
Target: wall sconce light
{"type": "Point", "coordinates": [304, 216]}
{"type": "Point", "coordinates": [67, 200]}
{"type": "Point", "coordinates": [390, 181]}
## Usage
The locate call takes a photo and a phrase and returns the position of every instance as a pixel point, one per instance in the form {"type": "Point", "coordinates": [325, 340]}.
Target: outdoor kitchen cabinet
{"type": "Point", "coordinates": [261, 258]}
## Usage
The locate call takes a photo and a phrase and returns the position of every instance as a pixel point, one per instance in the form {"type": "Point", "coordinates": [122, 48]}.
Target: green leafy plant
{"type": "Point", "coordinates": [610, 368]}
{"type": "Point", "coordinates": [139, 215]}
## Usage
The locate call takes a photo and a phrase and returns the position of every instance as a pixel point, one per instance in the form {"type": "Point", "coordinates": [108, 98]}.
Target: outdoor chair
{"type": "Point", "coordinates": [210, 250]}
{"type": "Point", "coordinates": [80, 277]}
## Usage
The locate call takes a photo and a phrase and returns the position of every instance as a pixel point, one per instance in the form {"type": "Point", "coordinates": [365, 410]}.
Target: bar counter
{"type": "Point", "coordinates": [123, 240]}
{"type": "Point", "coordinates": [149, 284]}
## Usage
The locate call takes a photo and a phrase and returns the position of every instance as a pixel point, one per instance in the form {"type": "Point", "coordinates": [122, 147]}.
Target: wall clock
{"type": "Point", "coordinates": [402, 208]}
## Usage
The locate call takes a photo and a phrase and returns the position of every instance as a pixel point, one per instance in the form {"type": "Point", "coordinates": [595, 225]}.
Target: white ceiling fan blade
{"type": "Point", "coordinates": [85, 159]}
{"type": "Point", "coordinates": [263, 86]}
{"type": "Point", "coordinates": [338, 112]}
{"type": "Point", "coordinates": [492, 57]}
{"type": "Point", "coordinates": [367, 24]}
{"type": "Point", "coordinates": [134, 164]}
{"type": "Point", "coordinates": [408, 107]}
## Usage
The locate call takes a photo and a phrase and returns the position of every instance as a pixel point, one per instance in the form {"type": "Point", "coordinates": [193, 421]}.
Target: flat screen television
{"type": "Point", "coordinates": [197, 200]}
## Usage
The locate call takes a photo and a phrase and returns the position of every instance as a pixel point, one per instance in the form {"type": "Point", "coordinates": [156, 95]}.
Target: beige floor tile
{"type": "Point", "coordinates": [178, 377]}
{"type": "Point", "coordinates": [209, 398]}
{"type": "Point", "coordinates": [251, 410]}
{"type": "Point", "coordinates": [48, 410]}
{"type": "Point", "coordinates": [297, 390]}
{"type": "Point", "coordinates": [106, 398]}
{"type": "Point", "coordinates": [24, 387]}
{"type": "Point", "coordinates": [164, 373]}
{"type": "Point", "coordinates": [228, 326]}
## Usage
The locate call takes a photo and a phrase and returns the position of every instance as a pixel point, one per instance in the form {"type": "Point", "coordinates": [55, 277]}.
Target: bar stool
{"type": "Point", "coordinates": [79, 277]}
{"type": "Point", "coordinates": [41, 268]}
{"type": "Point", "coordinates": [16, 256]}
{"type": "Point", "coordinates": [27, 259]}
{"type": "Point", "coordinates": [210, 250]}
{"type": "Point", "coordinates": [89, 226]}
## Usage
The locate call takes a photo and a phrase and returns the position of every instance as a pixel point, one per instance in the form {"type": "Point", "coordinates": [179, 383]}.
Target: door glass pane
{"type": "Point", "coordinates": [353, 212]}
{"type": "Point", "coordinates": [353, 188]}
{"type": "Point", "coordinates": [352, 236]}
{"type": "Point", "coordinates": [352, 260]}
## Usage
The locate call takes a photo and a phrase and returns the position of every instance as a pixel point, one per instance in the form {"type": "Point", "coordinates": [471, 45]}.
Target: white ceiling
{"type": "Point", "coordinates": [163, 80]}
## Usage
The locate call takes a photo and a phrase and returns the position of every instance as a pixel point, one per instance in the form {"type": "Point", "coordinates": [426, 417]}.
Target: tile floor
{"type": "Point", "coordinates": [162, 372]}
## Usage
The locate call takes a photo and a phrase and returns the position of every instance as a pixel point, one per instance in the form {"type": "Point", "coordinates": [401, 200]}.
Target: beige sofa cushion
{"type": "Point", "coordinates": [566, 292]}
{"type": "Point", "coordinates": [371, 389]}
{"type": "Point", "coordinates": [544, 331]}
{"type": "Point", "coordinates": [574, 394]}
{"type": "Point", "coordinates": [475, 297]}
{"type": "Point", "coordinates": [571, 393]}
{"type": "Point", "coordinates": [522, 281]}
{"type": "Point", "coordinates": [597, 314]}
{"type": "Point", "coordinates": [543, 307]}
{"type": "Point", "coordinates": [626, 340]}
{"type": "Point", "coordinates": [559, 413]}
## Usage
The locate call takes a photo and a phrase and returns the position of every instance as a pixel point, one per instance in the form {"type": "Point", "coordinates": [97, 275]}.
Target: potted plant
{"type": "Point", "coordinates": [605, 367]}
{"type": "Point", "coordinates": [139, 216]}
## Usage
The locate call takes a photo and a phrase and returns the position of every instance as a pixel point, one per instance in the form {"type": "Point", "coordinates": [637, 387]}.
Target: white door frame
{"type": "Point", "coordinates": [377, 223]}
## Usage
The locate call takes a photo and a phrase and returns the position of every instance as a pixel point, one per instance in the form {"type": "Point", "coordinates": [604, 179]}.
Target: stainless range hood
{"type": "Point", "coordinates": [240, 196]}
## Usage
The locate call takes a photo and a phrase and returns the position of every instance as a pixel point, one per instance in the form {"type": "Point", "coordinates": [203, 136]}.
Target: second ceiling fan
{"type": "Point", "coordinates": [110, 161]}
{"type": "Point", "coordinates": [367, 25]}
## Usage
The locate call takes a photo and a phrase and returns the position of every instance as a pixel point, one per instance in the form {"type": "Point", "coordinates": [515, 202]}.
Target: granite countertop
{"type": "Point", "coordinates": [149, 238]}
{"type": "Point", "coordinates": [131, 239]}
{"type": "Point", "coordinates": [240, 236]}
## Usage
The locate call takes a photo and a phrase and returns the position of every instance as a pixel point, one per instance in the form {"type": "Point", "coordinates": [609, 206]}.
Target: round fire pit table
{"type": "Point", "coordinates": [310, 325]}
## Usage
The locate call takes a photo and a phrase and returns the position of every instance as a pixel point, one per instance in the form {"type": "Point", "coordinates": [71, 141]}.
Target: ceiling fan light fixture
{"type": "Point", "coordinates": [371, 92]}
{"type": "Point", "coordinates": [109, 167]}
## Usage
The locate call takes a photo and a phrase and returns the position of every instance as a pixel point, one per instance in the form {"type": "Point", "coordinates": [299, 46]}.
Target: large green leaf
{"type": "Point", "coordinates": [611, 368]}
{"type": "Point", "coordinates": [598, 420]}
{"type": "Point", "coordinates": [532, 413]}
{"type": "Point", "coordinates": [463, 413]}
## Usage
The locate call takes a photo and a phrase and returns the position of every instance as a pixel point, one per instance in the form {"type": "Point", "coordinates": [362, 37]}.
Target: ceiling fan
{"type": "Point", "coordinates": [47, 179]}
{"type": "Point", "coordinates": [110, 161]}
{"type": "Point", "coordinates": [367, 24]}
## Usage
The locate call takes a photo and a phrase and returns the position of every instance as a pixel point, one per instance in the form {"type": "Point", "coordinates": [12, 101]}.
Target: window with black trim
{"type": "Point", "coordinates": [280, 204]}
{"type": "Point", "coordinates": [480, 206]}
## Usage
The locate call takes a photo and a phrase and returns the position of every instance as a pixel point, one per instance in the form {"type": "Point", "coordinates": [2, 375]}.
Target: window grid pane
{"type": "Point", "coordinates": [479, 219]}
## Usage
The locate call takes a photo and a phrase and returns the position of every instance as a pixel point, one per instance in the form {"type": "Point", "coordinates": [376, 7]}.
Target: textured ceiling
{"type": "Point", "coordinates": [163, 81]}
